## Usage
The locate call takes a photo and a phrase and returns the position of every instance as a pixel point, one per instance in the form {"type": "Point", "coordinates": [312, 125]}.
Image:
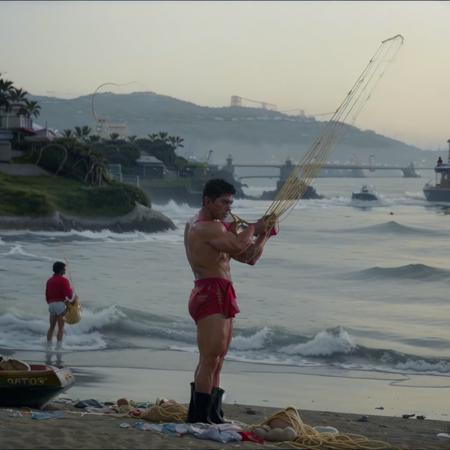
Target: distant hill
{"type": "Point", "coordinates": [248, 134]}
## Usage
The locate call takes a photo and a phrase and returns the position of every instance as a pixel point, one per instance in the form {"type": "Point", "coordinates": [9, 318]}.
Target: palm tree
{"type": "Point", "coordinates": [78, 132]}
{"type": "Point", "coordinates": [32, 108]}
{"type": "Point", "coordinates": [68, 133]}
{"type": "Point", "coordinates": [93, 138]}
{"type": "Point", "coordinates": [114, 136]}
{"type": "Point", "coordinates": [86, 131]}
{"type": "Point", "coordinates": [163, 136]}
{"type": "Point", "coordinates": [152, 137]}
{"type": "Point", "coordinates": [18, 95]}
{"type": "Point", "coordinates": [6, 87]}
{"type": "Point", "coordinates": [132, 138]}
{"type": "Point", "coordinates": [175, 141]}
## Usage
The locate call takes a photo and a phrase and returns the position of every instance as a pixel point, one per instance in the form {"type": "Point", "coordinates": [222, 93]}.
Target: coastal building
{"type": "Point", "coordinates": [150, 167]}
{"type": "Point", "coordinates": [13, 118]}
{"type": "Point", "coordinates": [105, 129]}
{"type": "Point", "coordinates": [17, 127]}
{"type": "Point", "coordinates": [14, 125]}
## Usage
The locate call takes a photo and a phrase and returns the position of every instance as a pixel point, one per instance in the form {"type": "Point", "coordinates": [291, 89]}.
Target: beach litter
{"type": "Point", "coordinates": [13, 413]}
{"type": "Point", "coordinates": [443, 436]}
{"type": "Point", "coordinates": [45, 415]}
{"type": "Point", "coordinates": [90, 402]}
{"type": "Point", "coordinates": [218, 432]}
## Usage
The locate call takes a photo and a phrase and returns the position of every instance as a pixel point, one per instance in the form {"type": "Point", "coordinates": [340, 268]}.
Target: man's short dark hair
{"type": "Point", "coordinates": [217, 187]}
{"type": "Point", "coordinates": [58, 267]}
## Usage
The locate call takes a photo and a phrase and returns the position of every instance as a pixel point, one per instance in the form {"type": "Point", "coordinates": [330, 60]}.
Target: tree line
{"type": "Point", "coordinates": [12, 96]}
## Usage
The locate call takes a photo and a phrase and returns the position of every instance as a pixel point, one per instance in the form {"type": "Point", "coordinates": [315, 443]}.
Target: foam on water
{"type": "Point", "coordinates": [60, 237]}
{"type": "Point", "coordinates": [255, 341]}
{"type": "Point", "coordinates": [17, 252]}
{"type": "Point", "coordinates": [18, 333]}
{"type": "Point", "coordinates": [324, 343]}
{"type": "Point", "coordinates": [114, 327]}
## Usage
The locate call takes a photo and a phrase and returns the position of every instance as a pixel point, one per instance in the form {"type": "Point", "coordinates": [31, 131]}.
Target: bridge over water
{"type": "Point", "coordinates": [351, 170]}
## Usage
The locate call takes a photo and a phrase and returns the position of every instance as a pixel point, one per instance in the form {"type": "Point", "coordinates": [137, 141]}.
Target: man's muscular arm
{"type": "Point", "coordinates": [253, 252]}
{"type": "Point", "coordinates": [228, 242]}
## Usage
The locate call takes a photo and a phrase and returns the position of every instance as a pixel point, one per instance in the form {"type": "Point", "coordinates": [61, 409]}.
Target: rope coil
{"type": "Point", "coordinates": [165, 411]}
{"type": "Point", "coordinates": [309, 438]}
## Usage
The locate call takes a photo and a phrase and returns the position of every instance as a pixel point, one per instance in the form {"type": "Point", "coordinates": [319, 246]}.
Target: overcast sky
{"type": "Point", "coordinates": [302, 55]}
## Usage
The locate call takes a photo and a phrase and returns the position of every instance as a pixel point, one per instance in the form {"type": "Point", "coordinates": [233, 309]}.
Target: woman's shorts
{"type": "Point", "coordinates": [56, 308]}
{"type": "Point", "coordinates": [212, 296]}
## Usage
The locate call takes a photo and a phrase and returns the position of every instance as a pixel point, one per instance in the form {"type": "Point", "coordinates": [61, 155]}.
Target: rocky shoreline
{"type": "Point", "coordinates": [141, 218]}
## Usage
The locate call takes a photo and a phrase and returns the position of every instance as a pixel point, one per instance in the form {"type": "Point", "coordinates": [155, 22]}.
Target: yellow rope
{"type": "Point", "coordinates": [165, 411]}
{"type": "Point", "coordinates": [302, 175]}
{"type": "Point", "coordinates": [309, 438]}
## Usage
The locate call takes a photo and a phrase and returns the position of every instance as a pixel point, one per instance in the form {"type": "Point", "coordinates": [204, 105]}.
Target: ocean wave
{"type": "Point", "coordinates": [333, 347]}
{"type": "Point", "coordinates": [325, 343]}
{"type": "Point", "coordinates": [420, 272]}
{"type": "Point", "coordinates": [60, 237]}
{"type": "Point", "coordinates": [110, 327]}
{"type": "Point", "coordinates": [178, 213]}
{"type": "Point", "coordinates": [394, 227]}
{"type": "Point", "coordinates": [17, 252]}
{"type": "Point", "coordinates": [258, 340]}
{"type": "Point", "coordinates": [115, 327]}
{"type": "Point", "coordinates": [19, 333]}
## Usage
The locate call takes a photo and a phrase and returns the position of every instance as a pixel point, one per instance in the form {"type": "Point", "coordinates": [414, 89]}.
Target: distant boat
{"type": "Point", "coordinates": [440, 191]}
{"type": "Point", "coordinates": [366, 193]}
{"type": "Point", "coordinates": [32, 385]}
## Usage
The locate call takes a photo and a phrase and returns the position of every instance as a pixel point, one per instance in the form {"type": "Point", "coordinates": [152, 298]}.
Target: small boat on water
{"type": "Point", "coordinates": [440, 191]}
{"type": "Point", "coordinates": [366, 193]}
{"type": "Point", "coordinates": [32, 385]}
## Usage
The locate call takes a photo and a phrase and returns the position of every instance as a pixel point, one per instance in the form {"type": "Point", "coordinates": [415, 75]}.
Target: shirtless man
{"type": "Point", "coordinates": [210, 244]}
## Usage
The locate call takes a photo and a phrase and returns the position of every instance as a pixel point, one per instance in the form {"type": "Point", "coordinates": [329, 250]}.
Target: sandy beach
{"type": "Point", "coordinates": [92, 431]}
{"type": "Point", "coordinates": [322, 399]}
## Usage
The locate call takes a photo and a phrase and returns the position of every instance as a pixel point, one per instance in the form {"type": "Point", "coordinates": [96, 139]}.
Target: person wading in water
{"type": "Point", "coordinates": [210, 244]}
{"type": "Point", "coordinates": [58, 292]}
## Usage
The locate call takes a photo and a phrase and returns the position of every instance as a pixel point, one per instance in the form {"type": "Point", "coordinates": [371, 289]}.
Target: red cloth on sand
{"type": "Point", "coordinates": [251, 436]}
{"type": "Point", "coordinates": [212, 296]}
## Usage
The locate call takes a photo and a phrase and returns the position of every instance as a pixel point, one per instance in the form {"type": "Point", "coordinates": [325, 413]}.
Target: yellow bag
{"type": "Point", "coordinates": [73, 312]}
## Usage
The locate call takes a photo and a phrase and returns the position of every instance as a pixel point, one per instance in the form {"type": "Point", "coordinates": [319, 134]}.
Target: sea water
{"type": "Point", "coordinates": [348, 286]}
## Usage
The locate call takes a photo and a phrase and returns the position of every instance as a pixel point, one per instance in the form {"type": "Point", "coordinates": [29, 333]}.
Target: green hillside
{"type": "Point", "coordinates": [43, 195]}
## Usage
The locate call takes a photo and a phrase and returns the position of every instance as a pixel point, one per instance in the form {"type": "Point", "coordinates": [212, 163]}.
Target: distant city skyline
{"type": "Point", "coordinates": [296, 55]}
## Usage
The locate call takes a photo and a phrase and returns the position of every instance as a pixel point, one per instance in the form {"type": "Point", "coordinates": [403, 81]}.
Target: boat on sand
{"type": "Point", "coordinates": [32, 385]}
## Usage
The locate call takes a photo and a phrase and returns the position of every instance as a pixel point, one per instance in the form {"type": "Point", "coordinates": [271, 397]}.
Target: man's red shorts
{"type": "Point", "coordinates": [212, 296]}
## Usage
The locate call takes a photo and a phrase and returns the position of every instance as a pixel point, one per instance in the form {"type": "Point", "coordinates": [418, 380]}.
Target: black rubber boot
{"type": "Point", "coordinates": [190, 415]}
{"type": "Point", "coordinates": [201, 408]}
{"type": "Point", "coordinates": [216, 413]}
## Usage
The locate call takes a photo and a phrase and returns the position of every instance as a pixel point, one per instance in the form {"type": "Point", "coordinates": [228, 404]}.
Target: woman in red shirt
{"type": "Point", "coordinates": [57, 293]}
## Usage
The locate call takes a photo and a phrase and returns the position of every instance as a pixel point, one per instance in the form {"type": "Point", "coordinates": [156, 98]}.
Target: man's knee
{"type": "Point", "coordinates": [211, 361]}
